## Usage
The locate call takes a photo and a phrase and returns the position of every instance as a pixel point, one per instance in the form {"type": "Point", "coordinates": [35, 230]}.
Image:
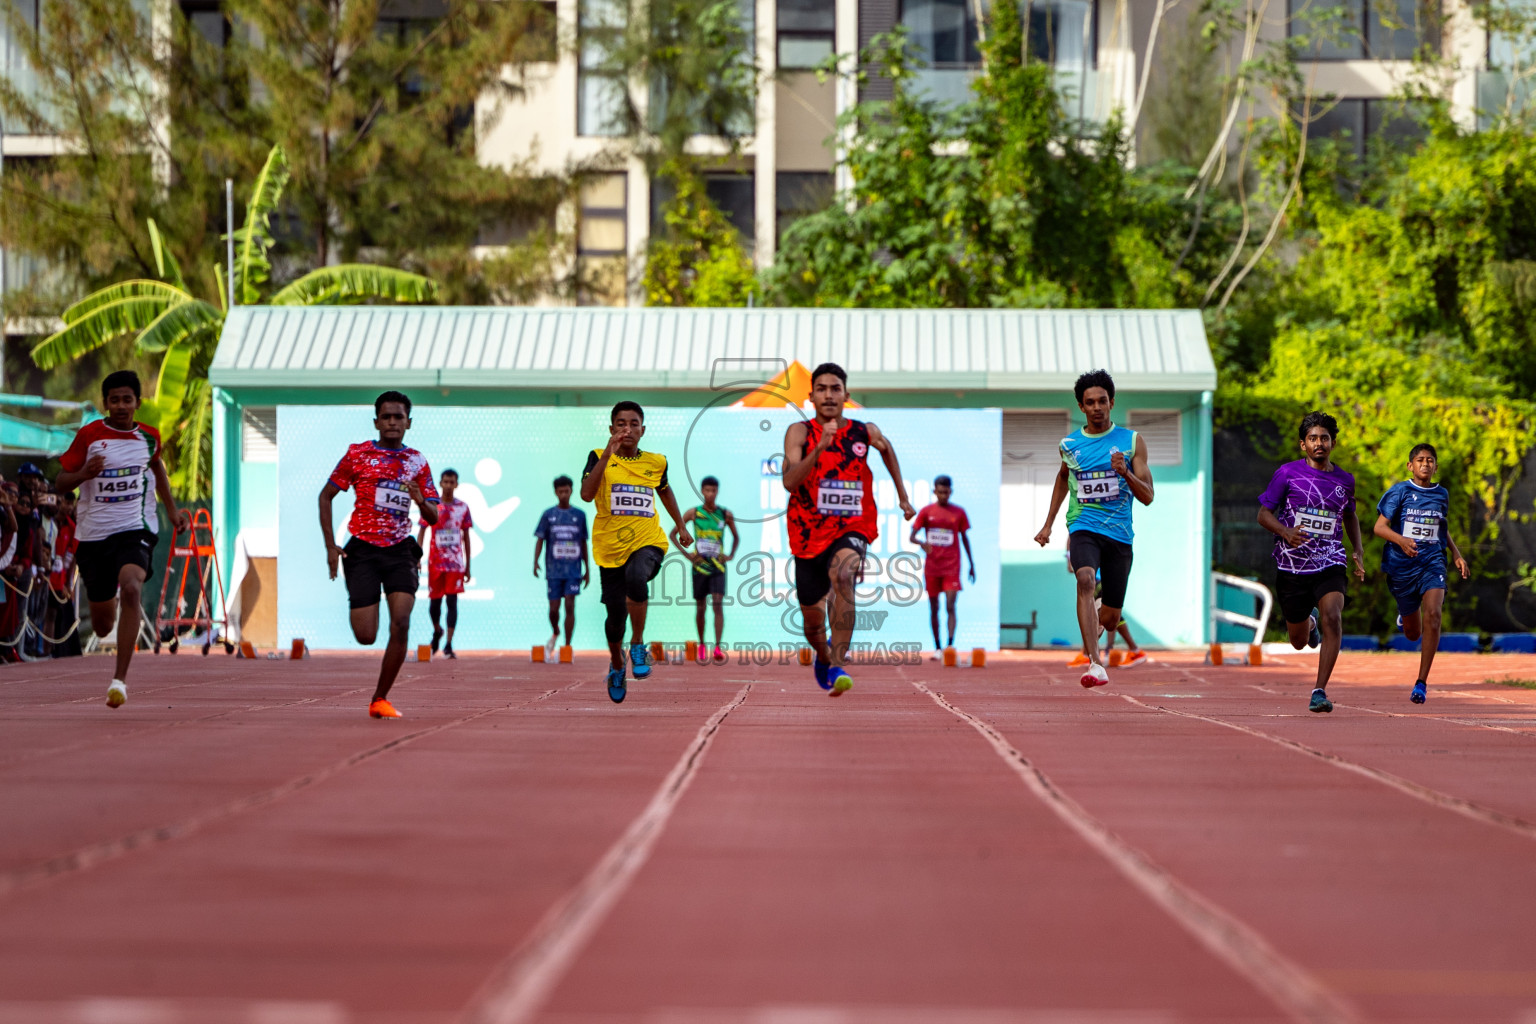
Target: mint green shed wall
{"type": "Point", "coordinates": [1010, 360]}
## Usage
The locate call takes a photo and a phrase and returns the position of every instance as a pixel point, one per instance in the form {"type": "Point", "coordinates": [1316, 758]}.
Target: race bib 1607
{"type": "Point", "coordinates": [631, 500]}
{"type": "Point", "coordinates": [1098, 486]}
{"type": "Point", "coordinates": [840, 497]}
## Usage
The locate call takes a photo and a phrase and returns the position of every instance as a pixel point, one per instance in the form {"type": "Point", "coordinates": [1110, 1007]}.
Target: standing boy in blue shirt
{"type": "Point", "coordinates": [566, 570]}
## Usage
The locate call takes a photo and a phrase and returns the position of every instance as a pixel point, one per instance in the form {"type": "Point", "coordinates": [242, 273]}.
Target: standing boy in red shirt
{"type": "Point", "coordinates": [946, 529]}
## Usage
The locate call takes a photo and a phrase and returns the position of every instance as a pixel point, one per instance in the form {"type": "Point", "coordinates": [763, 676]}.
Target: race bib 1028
{"type": "Point", "coordinates": [565, 550]}
{"type": "Point", "coordinates": [1422, 529]}
{"type": "Point", "coordinates": [631, 500]}
{"type": "Point", "coordinates": [392, 496]}
{"type": "Point", "coordinates": [1317, 522]}
{"type": "Point", "coordinates": [1098, 486]}
{"type": "Point", "coordinates": [840, 497]}
{"type": "Point", "coordinates": [941, 538]}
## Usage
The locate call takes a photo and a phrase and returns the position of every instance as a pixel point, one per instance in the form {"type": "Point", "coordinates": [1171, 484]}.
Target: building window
{"type": "Point", "coordinates": [1032, 444]}
{"type": "Point", "coordinates": [602, 240]}
{"type": "Point", "coordinates": [1353, 122]}
{"type": "Point", "coordinates": [1163, 432]}
{"type": "Point", "coordinates": [601, 100]}
{"type": "Point", "coordinates": [258, 435]}
{"type": "Point", "coordinates": [798, 194]}
{"type": "Point", "coordinates": [1361, 29]}
{"type": "Point", "coordinates": [540, 42]}
{"type": "Point", "coordinates": [1062, 33]}
{"type": "Point", "coordinates": [807, 32]}
{"type": "Point", "coordinates": [733, 194]}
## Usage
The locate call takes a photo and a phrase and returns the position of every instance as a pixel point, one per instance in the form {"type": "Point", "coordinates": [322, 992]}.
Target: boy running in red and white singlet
{"type": "Point", "coordinates": [945, 527]}
{"type": "Point", "coordinates": [832, 517]}
{"type": "Point", "coordinates": [115, 462]}
{"type": "Point", "coordinates": [388, 478]}
{"type": "Point", "coordinates": [447, 560]}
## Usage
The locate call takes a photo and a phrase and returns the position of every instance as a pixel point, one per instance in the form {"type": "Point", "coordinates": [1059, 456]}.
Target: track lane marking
{"type": "Point", "coordinates": [1445, 801]}
{"type": "Point", "coordinates": [1288, 985]}
{"type": "Point", "coordinates": [95, 854]}
{"type": "Point", "coordinates": [518, 988]}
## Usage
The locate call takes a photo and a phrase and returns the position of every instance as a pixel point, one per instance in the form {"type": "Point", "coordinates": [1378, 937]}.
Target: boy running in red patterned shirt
{"type": "Point", "coordinates": [945, 527]}
{"type": "Point", "coordinates": [388, 478]}
{"type": "Point", "coordinates": [448, 563]}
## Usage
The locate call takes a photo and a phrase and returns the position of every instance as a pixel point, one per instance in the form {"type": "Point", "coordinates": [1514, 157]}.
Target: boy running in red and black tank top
{"type": "Point", "coordinates": [832, 517]}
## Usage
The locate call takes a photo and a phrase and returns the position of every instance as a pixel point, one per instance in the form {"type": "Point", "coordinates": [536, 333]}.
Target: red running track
{"type": "Point", "coordinates": [241, 843]}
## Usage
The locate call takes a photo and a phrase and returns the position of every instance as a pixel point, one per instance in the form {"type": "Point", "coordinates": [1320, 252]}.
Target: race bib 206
{"type": "Point", "coordinates": [631, 500]}
{"type": "Point", "coordinates": [840, 497]}
{"type": "Point", "coordinates": [1098, 485]}
{"type": "Point", "coordinates": [1317, 522]}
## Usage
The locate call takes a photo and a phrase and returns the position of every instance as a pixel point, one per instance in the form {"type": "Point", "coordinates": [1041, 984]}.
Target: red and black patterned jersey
{"type": "Point", "coordinates": [838, 497]}
{"type": "Point", "coordinates": [450, 534]}
{"type": "Point", "coordinates": [381, 508]}
{"type": "Point", "coordinates": [122, 496]}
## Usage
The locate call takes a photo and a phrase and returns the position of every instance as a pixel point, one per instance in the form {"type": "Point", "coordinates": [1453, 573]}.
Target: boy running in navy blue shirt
{"type": "Point", "coordinates": [566, 570]}
{"type": "Point", "coordinates": [1413, 523]}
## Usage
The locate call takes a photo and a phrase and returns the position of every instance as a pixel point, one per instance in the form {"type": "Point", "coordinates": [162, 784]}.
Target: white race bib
{"type": "Point", "coordinates": [1098, 486]}
{"type": "Point", "coordinates": [840, 497]}
{"type": "Point", "coordinates": [631, 500]}
{"type": "Point", "coordinates": [447, 538]}
{"type": "Point", "coordinates": [941, 538]}
{"type": "Point", "coordinates": [565, 550]}
{"type": "Point", "coordinates": [1317, 522]}
{"type": "Point", "coordinates": [709, 547]}
{"type": "Point", "coordinates": [1426, 530]}
{"type": "Point", "coordinates": [124, 484]}
{"type": "Point", "coordinates": [392, 497]}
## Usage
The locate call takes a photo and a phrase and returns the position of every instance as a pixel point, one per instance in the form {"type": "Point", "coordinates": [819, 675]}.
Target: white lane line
{"type": "Point", "coordinates": [86, 857]}
{"type": "Point", "coordinates": [1288, 984]}
{"type": "Point", "coordinates": [519, 987]}
{"type": "Point", "coordinates": [1445, 801]}
{"type": "Point", "coordinates": [116, 1010]}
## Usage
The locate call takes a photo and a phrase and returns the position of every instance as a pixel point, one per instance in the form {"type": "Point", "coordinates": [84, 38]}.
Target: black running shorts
{"type": "Point", "coordinates": [707, 583]}
{"type": "Point", "coordinates": [631, 580]}
{"type": "Point", "coordinates": [1112, 558]}
{"type": "Point", "coordinates": [1299, 592]}
{"type": "Point", "coordinates": [369, 568]}
{"type": "Point", "coordinates": [813, 576]}
{"type": "Point", "coordinates": [101, 560]}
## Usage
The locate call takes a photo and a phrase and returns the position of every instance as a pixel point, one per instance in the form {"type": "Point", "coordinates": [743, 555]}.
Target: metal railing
{"type": "Point", "coordinates": [1221, 615]}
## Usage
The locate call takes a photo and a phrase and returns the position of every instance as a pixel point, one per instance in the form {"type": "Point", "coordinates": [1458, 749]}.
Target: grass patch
{"type": "Point", "coordinates": [1524, 684]}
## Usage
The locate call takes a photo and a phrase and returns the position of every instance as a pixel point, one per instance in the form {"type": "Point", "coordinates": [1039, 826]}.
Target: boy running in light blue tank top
{"type": "Point", "coordinates": [1102, 468]}
{"type": "Point", "coordinates": [1412, 519]}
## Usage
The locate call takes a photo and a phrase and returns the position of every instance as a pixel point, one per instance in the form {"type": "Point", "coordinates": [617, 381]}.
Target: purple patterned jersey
{"type": "Point", "coordinates": [1315, 503]}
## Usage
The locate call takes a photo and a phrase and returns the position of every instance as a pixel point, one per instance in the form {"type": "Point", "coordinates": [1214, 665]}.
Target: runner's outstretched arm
{"type": "Point", "coordinates": [1383, 529]}
{"type": "Point", "coordinates": [182, 518]}
{"type": "Point", "coordinates": [1461, 563]}
{"type": "Point", "coordinates": [593, 479]}
{"type": "Point", "coordinates": [1292, 536]}
{"type": "Point", "coordinates": [1352, 530]}
{"type": "Point", "coordinates": [1058, 495]}
{"type": "Point", "coordinates": [730, 521]}
{"type": "Point", "coordinates": [680, 532]}
{"type": "Point", "coordinates": [965, 541]}
{"type": "Point", "coordinates": [882, 444]}
{"type": "Point", "coordinates": [1138, 476]}
{"type": "Point", "coordinates": [798, 465]}
{"type": "Point", "coordinates": [332, 552]}
{"type": "Point", "coordinates": [687, 518]}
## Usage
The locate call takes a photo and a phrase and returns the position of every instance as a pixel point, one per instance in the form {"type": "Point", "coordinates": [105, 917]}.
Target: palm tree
{"type": "Point", "coordinates": [168, 318]}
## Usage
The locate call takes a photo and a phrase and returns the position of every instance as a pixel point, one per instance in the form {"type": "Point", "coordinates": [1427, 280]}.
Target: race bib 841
{"type": "Point", "coordinates": [1098, 486]}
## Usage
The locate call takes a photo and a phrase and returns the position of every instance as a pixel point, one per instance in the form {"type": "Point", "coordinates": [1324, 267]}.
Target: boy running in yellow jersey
{"type": "Point", "coordinates": [628, 543]}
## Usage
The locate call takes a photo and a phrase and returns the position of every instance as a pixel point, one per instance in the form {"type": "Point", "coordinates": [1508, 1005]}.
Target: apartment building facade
{"type": "Point", "coordinates": [787, 165]}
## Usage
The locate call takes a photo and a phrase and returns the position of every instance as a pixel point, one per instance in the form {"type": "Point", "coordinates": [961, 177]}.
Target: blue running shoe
{"type": "Point", "coordinates": [1420, 692]}
{"type": "Point", "coordinates": [617, 688]}
{"type": "Point", "coordinates": [1320, 702]}
{"type": "Point", "coordinates": [1315, 637]}
{"type": "Point", "coordinates": [821, 668]}
{"type": "Point", "coordinates": [841, 681]}
{"type": "Point", "coordinates": [639, 660]}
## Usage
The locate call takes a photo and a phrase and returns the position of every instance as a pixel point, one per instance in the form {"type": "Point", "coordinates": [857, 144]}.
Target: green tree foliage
{"type": "Point", "coordinates": [164, 316]}
{"type": "Point", "coordinates": [699, 260]}
{"type": "Point", "coordinates": [1000, 201]}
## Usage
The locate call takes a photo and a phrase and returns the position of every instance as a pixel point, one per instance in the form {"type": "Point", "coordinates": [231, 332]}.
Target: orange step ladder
{"type": "Point", "coordinates": [197, 556]}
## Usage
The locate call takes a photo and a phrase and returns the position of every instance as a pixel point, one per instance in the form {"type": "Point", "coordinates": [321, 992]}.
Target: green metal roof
{"type": "Point", "coordinates": [505, 347]}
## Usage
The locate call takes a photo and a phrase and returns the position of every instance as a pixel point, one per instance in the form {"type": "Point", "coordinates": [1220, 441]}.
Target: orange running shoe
{"type": "Point", "coordinates": [1079, 661]}
{"type": "Point", "coordinates": [383, 709]}
{"type": "Point", "coordinates": [1134, 658]}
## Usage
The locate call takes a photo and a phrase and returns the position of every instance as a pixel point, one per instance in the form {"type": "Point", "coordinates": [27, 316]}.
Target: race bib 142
{"type": "Point", "coordinates": [392, 496]}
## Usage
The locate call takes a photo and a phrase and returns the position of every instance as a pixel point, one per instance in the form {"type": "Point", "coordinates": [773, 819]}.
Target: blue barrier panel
{"type": "Point", "coordinates": [1513, 643]}
{"type": "Point", "coordinates": [1358, 642]}
{"type": "Point", "coordinates": [1459, 643]}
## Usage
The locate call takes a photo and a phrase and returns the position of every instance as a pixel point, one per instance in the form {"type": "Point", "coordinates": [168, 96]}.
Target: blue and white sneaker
{"type": "Point", "coordinates": [639, 660]}
{"type": "Point", "coordinates": [841, 682]}
{"type": "Point", "coordinates": [821, 668]}
{"type": "Point", "coordinates": [1320, 702]}
{"type": "Point", "coordinates": [617, 687]}
{"type": "Point", "coordinates": [1420, 692]}
{"type": "Point", "coordinates": [1315, 637]}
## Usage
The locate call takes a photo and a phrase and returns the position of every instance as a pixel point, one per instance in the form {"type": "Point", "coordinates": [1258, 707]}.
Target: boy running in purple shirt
{"type": "Point", "coordinates": [1309, 505]}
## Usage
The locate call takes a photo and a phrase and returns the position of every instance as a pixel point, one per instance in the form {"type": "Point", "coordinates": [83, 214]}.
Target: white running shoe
{"type": "Point", "coordinates": [549, 647]}
{"type": "Point", "coordinates": [117, 694]}
{"type": "Point", "coordinates": [1094, 675]}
